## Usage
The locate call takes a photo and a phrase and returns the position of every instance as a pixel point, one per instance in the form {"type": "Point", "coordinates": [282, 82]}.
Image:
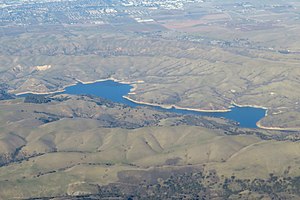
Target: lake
{"type": "Point", "coordinates": [247, 117]}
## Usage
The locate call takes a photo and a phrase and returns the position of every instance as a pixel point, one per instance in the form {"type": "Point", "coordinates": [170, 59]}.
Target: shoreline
{"type": "Point", "coordinates": [83, 82]}
{"type": "Point", "coordinates": [258, 124]}
{"type": "Point", "coordinates": [210, 111]}
{"type": "Point", "coordinates": [252, 106]}
{"type": "Point", "coordinates": [173, 106]}
{"type": "Point", "coordinates": [134, 87]}
{"type": "Point", "coordinates": [110, 79]}
{"type": "Point", "coordinates": [41, 93]}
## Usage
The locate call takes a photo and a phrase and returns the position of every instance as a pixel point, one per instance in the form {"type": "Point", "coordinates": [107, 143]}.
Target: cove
{"type": "Point", "coordinates": [247, 117]}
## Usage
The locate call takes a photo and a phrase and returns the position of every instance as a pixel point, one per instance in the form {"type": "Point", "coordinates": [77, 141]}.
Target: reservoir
{"type": "Point", "coordinates": [247, 117]}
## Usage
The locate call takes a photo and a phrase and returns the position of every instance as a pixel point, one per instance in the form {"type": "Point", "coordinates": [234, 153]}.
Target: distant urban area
{"type": "Point", "coordinates": [29, 12]}
{"type": "Point", "coordinates": [83, 11]}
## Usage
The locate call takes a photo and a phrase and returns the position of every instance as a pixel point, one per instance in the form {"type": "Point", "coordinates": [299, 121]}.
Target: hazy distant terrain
{"type": "Point", "coordinates": [205, 55]}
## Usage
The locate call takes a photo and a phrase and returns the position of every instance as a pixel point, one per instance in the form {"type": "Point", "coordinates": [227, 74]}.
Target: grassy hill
{"type": "Point", "coordinates": [73, 155]}
{"type": "Point", "coordinates": [189, 74]}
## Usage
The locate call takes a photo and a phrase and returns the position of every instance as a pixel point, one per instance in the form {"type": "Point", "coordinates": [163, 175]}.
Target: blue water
{"type": "Point", "coordinates": [114, 91]}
